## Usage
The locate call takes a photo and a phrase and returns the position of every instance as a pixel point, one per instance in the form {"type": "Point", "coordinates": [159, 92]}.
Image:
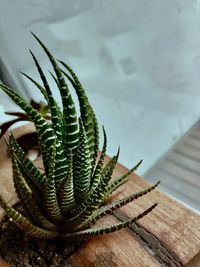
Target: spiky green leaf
{"type": "Point", "coordinates": [69, 111]}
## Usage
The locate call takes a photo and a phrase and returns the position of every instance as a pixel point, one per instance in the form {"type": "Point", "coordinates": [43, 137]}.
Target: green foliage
{"type": "Point", "coordinates": [70, 196]}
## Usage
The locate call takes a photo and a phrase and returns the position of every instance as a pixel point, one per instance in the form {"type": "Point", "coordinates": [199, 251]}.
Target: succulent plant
{"type": "Point", "coordinates": [72, 193]}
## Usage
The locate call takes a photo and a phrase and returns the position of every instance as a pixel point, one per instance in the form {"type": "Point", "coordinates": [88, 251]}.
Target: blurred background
{"type": "Point", "coordinates": [139, 62]}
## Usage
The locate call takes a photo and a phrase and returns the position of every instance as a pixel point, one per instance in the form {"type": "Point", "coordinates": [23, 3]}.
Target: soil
{"type": "Point", "coordinates": [20, 250]}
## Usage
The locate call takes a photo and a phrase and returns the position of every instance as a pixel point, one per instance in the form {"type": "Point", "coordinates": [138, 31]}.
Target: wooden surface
{"type": "Point", "coordinates": [168, 236]}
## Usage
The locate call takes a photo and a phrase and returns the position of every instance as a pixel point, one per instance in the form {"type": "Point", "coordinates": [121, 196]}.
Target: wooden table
{"type": "Point", "coordinates": [168, 236]}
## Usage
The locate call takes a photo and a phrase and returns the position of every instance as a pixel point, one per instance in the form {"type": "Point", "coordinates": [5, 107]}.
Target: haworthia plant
{"type": "Point", "coordinates": [71, 194]}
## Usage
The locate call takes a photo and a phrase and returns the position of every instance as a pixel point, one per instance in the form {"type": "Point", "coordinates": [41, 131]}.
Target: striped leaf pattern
{"type": "Point", "coordinates": [69, 111]}
{"type": "Point", "coordinates": [34, 176]}
{"type": "Point", "coordinates": [82, 165]}
{"type": "Point", "coordinates": [87, 114]}
{"type": "Point", "coordinates": [69, 197]}
{"type": "Point", "coordinates": [66, 190]}
{"type": "Point", "coordinates": [27, 199]}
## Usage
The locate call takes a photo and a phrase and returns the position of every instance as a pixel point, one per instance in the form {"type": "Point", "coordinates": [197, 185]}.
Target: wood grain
{"type": "Point", "coordinates": [119, 249]}
{"type": "Point", "coordinates": [168, 236]}
{"type": "Point", "coordinates": [177, 228]}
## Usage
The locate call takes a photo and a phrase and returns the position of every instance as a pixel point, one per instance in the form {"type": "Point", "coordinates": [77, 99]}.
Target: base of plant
{"type": "Point", "coordinates": [20, 250]}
